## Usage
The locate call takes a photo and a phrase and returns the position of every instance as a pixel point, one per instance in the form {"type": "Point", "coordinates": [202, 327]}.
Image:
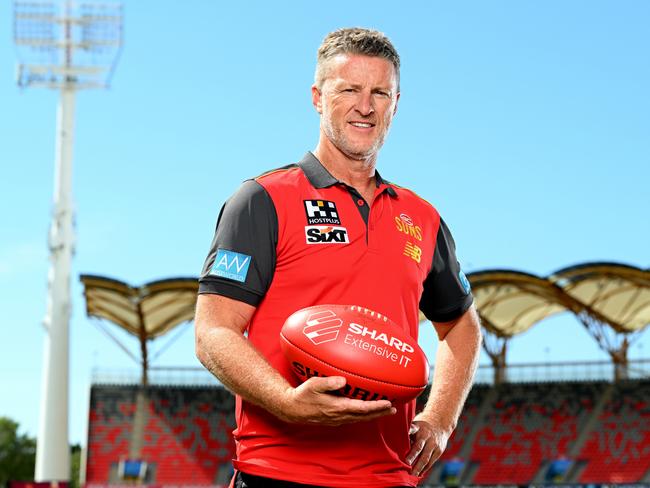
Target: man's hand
{"type": "Point", "coordinates": [428, 442]}
{"type": "Point", "coordinates": [456, 361]}
{"type": "Point", "coordinates": [313, 403]}
{"type": "Point", "coordinates": [224, 351]}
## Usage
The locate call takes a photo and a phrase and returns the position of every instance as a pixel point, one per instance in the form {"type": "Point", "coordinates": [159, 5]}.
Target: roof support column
{"type": "Point", "coordinates": [613, 343]}
{"type": "Point", "coordinates": [496, 347]}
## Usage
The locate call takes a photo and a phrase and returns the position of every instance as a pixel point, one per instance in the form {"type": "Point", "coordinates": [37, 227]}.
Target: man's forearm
{"type": "Point", "coordinates": [226, 353]}
{"type": "Point", "coordinates": [236, 363]}
{"type": "Point", "coordinates": [455, 365]}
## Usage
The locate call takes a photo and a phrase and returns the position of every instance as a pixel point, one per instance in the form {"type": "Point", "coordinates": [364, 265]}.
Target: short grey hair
{"type": "Point", "coordinates": [354, 40]}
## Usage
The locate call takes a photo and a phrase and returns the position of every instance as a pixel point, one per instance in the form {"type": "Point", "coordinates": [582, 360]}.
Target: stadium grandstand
{"type": "Point", "coordinates": [584, 423]}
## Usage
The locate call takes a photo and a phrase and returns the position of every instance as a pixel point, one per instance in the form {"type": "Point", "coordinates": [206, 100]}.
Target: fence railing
{"type": "Point", "coordinates": [565, 371]}
{"type": "Point", "coordinates": [159, 375]}
{"type": "Point", "coordinates": [514, 373]}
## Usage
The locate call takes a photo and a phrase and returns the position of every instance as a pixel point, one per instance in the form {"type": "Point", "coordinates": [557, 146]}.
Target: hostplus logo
{"type": "Point", "coordinates": [321, 212]}
{"type": "Point", "coordinates": [322, 327]}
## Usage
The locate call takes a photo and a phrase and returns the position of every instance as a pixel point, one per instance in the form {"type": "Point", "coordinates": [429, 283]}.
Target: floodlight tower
{"type": "Point", "coordinates": [69, 46]}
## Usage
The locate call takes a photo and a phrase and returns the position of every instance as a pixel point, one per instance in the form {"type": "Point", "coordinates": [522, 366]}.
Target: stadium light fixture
{"type": "Point", "coordinates": [65, 46]}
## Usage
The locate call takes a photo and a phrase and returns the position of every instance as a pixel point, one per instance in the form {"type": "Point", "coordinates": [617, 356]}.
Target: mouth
{"type": "Point", "coordinates": [361, 125]}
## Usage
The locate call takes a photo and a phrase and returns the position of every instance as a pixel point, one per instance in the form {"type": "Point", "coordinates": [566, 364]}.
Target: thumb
{"type": "Point", "coordinates": [328, 383]}
{"type": "Point", "coordinates": [413, 429]}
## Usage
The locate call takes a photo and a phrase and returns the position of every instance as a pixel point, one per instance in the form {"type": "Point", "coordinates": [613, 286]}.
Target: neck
{"type": "Point", "coordinates": [358, 173]}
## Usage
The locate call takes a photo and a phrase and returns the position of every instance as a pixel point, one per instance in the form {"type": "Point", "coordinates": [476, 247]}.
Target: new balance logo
{"type": "Point", "coordinates": [322, 327]}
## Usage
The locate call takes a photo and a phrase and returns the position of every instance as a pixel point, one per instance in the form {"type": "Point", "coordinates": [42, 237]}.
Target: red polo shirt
{"type": "Point", "coordinates": [297, 237]}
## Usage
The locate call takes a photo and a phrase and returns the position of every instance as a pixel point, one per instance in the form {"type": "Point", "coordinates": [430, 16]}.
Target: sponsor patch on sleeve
{"type": "Point", "coordinates": [464, 281]}
{"type": "Point", "coordinates": [231, 265]}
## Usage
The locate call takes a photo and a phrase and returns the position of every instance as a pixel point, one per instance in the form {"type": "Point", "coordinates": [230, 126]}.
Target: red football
{"type": "Point", "coordinates": [378, 358]}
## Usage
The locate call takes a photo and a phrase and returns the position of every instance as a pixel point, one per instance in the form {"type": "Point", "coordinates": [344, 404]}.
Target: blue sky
{"type": "Point", "coordinates": [526, 123]}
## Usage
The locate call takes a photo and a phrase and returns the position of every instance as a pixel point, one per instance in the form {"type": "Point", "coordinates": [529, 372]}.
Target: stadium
{"type": "Point", "coordinates": [579, 200]}
{"type": "Point", "coordinates": [535, 424]}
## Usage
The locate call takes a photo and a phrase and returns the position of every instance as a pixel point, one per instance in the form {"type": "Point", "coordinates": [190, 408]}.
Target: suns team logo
{"type": "Point", "coordinates": [404, 224]}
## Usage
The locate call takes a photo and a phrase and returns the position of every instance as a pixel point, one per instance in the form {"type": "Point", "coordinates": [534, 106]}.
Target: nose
{"type": "Point", "coordinates": [364, 103]}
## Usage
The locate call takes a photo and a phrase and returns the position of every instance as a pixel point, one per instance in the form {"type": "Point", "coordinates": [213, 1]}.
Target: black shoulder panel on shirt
{"type": "Point", "coordinates": [446, 295]}
{"type": "Point", "coordinates": [241, 261]}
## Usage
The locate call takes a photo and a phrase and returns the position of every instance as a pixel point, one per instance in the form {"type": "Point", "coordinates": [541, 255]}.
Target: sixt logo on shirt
{"type": "Point", "coordinates": [326, 234]}
{"type": "Point", "coordinates": [231, 265]}
{"type": "Point", "coordinates": [321, 212]}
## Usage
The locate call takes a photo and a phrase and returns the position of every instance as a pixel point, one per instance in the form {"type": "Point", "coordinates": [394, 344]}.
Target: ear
{"type": "Point", "coordinates": [316, 99]}
{"type": "Point", "coordinates": [396, 102]}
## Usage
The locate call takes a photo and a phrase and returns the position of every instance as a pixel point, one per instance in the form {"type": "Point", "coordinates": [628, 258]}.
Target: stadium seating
{"type": "Point", "coordinates": [528, 424]}
{"type": "Point", "coordinates": [465, 423]}
{"type": "Point", "coordinates": [618, 449]}
{"type": "Point", "coordinates": [187, 434]}
{"type": "Point", "coordinates": [509, 434]}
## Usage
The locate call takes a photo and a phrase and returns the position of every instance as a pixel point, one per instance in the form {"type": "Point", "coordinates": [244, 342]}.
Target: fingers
{"type": "Point", "coordinates": [314, 403]}
{"type": "Point", "coordinates": [425, 450]}
{"type": "Point", "coordinates": [324, 384]}
{"type": "Point", "coordinates": [428, 455]}
{"type": "Point", "coordinates": [416, 449]}
{"type": "Point", "coordinates": [332, 383]}
{"type": "Point", "coordinates": [345, 410]}
{"type": "Point", "coordinates": [364, 406]}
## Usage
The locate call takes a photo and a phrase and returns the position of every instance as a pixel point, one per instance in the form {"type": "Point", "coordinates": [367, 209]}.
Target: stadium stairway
{"type": "Point", "coordinates": [527, 424]}
{"type": "Point", "coordinates": [578, 466]}
{"type": "Point", "coordinates": [618, 448]}
{"type": "Point", "coordinates": [140, 419]}
{"type": "Point", "coordinates": [186, 433]}
{"type": "Point", "coordinates": [468, 425]}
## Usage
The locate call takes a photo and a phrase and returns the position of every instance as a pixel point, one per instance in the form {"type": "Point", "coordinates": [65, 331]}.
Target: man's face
{"type": "Point", "coordinates": [357, 102]}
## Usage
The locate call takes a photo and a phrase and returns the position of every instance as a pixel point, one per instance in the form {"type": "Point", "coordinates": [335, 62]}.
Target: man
{"type": "Point", "coordinates": [330, 230]}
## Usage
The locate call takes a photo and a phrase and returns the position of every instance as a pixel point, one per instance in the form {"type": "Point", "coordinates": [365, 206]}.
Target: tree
{"type": "Point", "coordinates": [75, 461]}
{"type": "Point", "coordinates": [17, 453]}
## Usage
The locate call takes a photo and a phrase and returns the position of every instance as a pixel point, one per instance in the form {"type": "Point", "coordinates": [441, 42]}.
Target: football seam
{"type": "Point", "coordinates": [350, 372]}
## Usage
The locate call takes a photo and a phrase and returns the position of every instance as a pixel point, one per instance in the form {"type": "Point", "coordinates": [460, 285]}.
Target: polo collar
{"type": "Point", "coordinates": [319, 177]}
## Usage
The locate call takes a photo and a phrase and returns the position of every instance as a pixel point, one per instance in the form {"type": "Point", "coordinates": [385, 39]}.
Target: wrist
{"type": "Point", "coordinates": [436, 421]}
{"type": "Point", "coordinates": [283, 404]}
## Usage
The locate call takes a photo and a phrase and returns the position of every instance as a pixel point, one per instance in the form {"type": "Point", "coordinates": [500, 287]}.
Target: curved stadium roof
{"type": "Point", "coordinates": [149, 310]}
{"type": "Point", "coordinates": [618, 292]}
{"type": "Point", "coordinates": [511, 302]}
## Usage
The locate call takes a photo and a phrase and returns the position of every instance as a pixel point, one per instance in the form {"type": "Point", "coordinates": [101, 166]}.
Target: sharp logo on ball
{"type": "Point", "coordinates": [324, 234]}
{"type": "Point", "coordinates": [404, 349]}
{"type": "Point", "coordinates": [322, 327]}
{"type": "Point", "coordinates": [321, 212]}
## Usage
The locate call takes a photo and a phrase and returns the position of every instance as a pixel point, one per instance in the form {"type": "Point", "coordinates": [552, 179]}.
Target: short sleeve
{"type": "Point", "coordinates": [241, 261]}
{"type": "Point", "coordinates": [446, 294]}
